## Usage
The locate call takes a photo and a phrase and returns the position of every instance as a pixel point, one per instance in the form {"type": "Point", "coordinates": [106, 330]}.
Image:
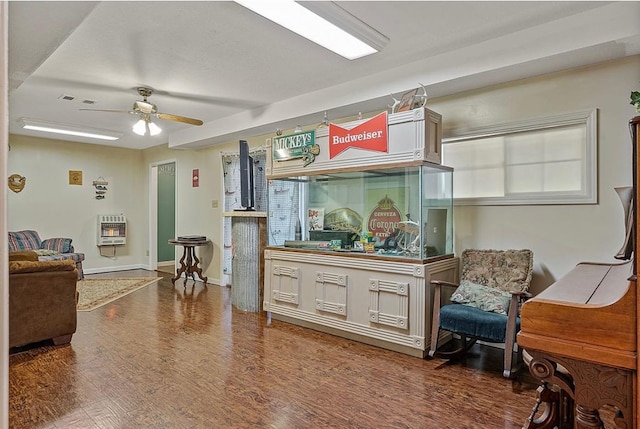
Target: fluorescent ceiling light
{"type": "Point", "coordinates": [70, 130]}
{"type": "Point", "coordinates": [354, 40]}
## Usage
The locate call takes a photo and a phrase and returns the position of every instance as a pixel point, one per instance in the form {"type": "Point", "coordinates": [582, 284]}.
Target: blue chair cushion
{"type": "Point", "coordinates": [473, 322]}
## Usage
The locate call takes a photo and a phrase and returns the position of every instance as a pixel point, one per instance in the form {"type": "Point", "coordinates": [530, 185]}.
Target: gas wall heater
{"type": "Point", "coordinates": [112, 230]}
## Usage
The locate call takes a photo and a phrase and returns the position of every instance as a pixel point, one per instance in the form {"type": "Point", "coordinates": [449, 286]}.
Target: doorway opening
{"type": "Point", "coordinates": [162, 216]}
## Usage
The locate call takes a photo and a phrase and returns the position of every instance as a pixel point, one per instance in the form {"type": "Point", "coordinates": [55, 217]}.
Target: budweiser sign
{"type": "Point", "coordinates": [369, 135]}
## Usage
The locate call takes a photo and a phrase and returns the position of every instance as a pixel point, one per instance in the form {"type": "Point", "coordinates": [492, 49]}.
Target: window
{"type": "Point", "coordinates": [544, 161]}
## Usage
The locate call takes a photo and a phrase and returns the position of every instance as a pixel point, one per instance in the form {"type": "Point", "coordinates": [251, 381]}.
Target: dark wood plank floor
{"type": "Point", "coordinates": [176, 357]}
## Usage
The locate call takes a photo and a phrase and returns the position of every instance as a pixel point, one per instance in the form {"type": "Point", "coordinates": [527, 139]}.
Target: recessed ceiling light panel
{"type": "Point", "coordinates": [70, 130]}
{"type": "Point", "coordinates": [350, 41]}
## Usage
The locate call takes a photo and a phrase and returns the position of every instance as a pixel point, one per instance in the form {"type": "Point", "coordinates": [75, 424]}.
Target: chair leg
{"type": "Point", "coordinates": [466, 344]}
{"type": "Point", "coordinates": [509, 369]}
{"type": "Point", "coordinates": [434, 345]}
{"type": "Point", "coordinates": [508, 358]}
{"type": "Point", "coordinates": [510, 338]}
{"type": "Point", "coordinates": [435, 321]}
{"type": "Point", "coordinates": [435, 333]}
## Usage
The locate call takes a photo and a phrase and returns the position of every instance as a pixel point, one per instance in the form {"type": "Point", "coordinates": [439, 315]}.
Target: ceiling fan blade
{"type": "Point", "coordinates": [177, 118]}
{"type": "Point", "coordinates": [112, 111]}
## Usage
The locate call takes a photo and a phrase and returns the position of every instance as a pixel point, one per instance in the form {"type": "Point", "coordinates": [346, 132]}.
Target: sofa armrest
{"type": "Point", "coordinates": [23, 255]}
{"type": "Point", "coordinates": [21, 267]}
{"type": "Point", "coordinates": [42, 304]}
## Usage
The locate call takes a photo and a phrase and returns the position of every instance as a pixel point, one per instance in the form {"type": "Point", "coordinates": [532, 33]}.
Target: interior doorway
{"type": "Point", "coordinates": [166, 216]}
{"type": "Point", "coordinates": [162, 215]}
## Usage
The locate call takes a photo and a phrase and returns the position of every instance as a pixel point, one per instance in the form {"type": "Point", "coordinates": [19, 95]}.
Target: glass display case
{"type": "Point", "coordinates": [389, 211]}
{"type": "Point", "coordinates": [359, 223]}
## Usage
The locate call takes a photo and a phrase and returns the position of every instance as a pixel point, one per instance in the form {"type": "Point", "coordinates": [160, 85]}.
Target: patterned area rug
{"type": "Point", "coordinates": [95, 293]}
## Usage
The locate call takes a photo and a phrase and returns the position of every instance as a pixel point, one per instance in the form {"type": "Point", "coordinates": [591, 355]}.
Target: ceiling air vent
{"type": "Point", "coordinates": [66, 97]}
{"type": "Point", "coordinates": [88, 102]}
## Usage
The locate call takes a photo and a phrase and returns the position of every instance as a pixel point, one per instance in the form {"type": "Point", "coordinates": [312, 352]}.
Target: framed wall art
{"type": "Point", "coordinates": [75, 177]}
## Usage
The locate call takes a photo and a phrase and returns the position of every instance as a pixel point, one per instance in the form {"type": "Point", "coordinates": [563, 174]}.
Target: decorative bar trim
{"type": "Point", "coordinates": [285, 297]}
{"type": "Point", "coordinates": [331, 307]}
{"type": "Point", "coordinates": [280, 273]}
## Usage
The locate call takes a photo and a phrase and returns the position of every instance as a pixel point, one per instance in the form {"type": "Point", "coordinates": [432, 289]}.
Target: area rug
{"type": "Point", "coordinates": [94, 293]}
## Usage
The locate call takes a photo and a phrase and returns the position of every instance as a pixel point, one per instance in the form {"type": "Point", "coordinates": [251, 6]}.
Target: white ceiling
{"type": "Point", "coordinates": [243, 75]}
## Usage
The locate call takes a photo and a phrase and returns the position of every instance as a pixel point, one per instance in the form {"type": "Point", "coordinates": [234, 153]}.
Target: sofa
{"type": "Point", "coordinates": [42, 301]}
{"type": "Point", "coordinates": [27, 245]}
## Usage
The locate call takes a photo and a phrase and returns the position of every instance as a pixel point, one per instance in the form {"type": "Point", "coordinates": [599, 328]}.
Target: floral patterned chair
{"type": "Point", "coordinates": [486, 303]}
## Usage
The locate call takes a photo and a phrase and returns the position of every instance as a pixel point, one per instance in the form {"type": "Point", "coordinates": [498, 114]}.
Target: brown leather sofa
{"type": "Point", "coordinates": [42, 301]}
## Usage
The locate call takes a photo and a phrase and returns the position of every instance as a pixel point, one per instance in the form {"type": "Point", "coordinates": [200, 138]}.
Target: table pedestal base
{"type": "Point", "coordinates": [190, 267]}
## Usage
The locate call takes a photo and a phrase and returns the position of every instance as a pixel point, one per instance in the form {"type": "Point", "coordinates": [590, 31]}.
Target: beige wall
{"type": "Point", "coordinates": [196, 216]}
{"type": "Point", "coordinates": [54, 208]}
{"type": "Point", "coordinates": [560, 236]}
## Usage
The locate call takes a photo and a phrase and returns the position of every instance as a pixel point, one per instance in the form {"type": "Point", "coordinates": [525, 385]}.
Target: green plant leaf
{"type": "Point", "coordinates": [635, 97]}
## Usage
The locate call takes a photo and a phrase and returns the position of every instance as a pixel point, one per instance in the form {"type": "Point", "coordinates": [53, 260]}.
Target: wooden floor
{"type": "Point", "coordinates": [184, 357]}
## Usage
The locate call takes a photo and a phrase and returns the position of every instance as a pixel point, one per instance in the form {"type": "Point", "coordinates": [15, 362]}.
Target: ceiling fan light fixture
{"type": "Point", "coordinates": [144, 126]}
{"type": "Point", "coordinates": [70, 130]}
{"type": "Point", "coordinates": [140, 127]}
{"type": "Point", "coordinates": [154, 130]}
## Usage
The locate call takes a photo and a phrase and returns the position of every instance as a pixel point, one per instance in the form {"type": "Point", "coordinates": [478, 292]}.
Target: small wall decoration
{"type": "Point", "coordinates": [299, 145]}
{"type": "Point", "coordinates": [406, 101]}
{"type": "Point", "coordinates": [315, 219]}
{"type": "Point", "coordinates": [195, 178]}
{"type": "Point", "coordinates": [75, 177]}
{"type": "Point", "coordinates": [410, 100]}
{"type": "Point", "coordinates": [101, 187]}
{"type": "Point", "coordinates": [420, 100]}
{"type": "Point", "coordinates": [17, 182]}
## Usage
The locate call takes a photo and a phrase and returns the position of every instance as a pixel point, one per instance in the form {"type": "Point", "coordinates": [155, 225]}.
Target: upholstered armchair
{"type": "Point", "coordinates": [485, 304]}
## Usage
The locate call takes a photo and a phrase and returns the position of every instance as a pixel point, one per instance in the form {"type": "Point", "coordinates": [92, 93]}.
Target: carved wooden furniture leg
{"type": "Point", "coordinates": [189, 250]}
{"type": "Point", "coordinates": [551, 415]}
{"type": "Point", "coordinates": [590, 385]}
{"type": "Point", "coordinates": [182, 268]}
{"type": "Point", "coordinates": [189, 261]}
{"type": "Point", "coordinates": [198, 269]}
{"type": "Point", "coordinates": [566, 410]}
{"type": "Point", "coordinates": [588, 418]}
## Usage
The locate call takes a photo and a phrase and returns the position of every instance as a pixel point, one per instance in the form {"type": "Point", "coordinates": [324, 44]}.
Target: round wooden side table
{"type": "Point", "coordinates": [190, 267]}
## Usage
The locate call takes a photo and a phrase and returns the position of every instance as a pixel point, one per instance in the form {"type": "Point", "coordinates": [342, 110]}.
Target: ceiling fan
{"type": "Point", "coordinates": [145, 110]}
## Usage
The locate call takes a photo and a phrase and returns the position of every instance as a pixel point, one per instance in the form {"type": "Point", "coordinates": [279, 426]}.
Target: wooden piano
{"type": "Point", "coordinates": [580, 339]}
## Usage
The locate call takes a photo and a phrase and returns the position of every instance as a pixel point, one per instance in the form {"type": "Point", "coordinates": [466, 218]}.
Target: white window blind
{"type": "Point", "coordinates": [543, 161]}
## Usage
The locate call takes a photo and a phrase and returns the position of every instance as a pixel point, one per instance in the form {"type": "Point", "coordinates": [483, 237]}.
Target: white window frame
{"type": "Point", "coordinates": [588, 118]}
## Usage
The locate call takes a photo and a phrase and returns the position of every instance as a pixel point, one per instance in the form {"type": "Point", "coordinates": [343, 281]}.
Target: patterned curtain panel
{"type": "Point", "coordinates": [285, 213]}
{"type": "Point", "coordinates": [231, 171]}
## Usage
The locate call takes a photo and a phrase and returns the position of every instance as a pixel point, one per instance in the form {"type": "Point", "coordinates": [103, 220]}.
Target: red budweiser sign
{"type": "Point", "coordinates": [369, 135]}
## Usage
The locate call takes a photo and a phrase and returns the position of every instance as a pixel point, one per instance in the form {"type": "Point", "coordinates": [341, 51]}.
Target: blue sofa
{"type": "Point", "coordinates": [51, 249]}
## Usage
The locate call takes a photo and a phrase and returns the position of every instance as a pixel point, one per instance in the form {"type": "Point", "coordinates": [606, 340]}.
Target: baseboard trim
{"type": "Point", "coordinates": [101, 270]}
{"type": "Point", "coordinates": [116, 268]}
